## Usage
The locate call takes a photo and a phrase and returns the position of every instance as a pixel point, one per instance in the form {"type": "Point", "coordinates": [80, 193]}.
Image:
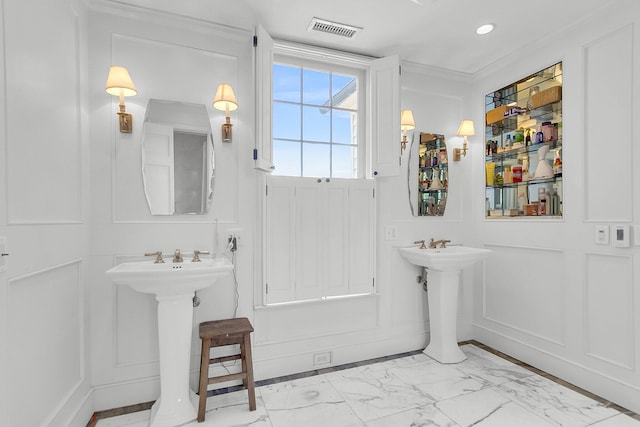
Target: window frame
{"type": "Point", "coordinates": [334, 67]}
{"type": "Point", "coordinates": [329, 60]}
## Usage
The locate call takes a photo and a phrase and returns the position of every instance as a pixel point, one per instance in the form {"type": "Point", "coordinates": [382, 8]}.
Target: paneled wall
{"type": "Point", "coordinates": [175, 59]}
{"type": "Point", "coordinates": [182, 59]}
{"type": "Point", "coordinates": [44, 356]}
{"type": "Point", "coordinates": [551, 295]}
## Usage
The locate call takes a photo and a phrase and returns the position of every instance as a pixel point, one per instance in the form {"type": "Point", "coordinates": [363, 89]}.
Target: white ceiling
{"type": "Point", "coordinates": [438, 33]}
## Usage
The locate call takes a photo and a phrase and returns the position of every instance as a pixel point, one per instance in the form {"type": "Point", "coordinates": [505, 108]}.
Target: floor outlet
{"type": "Point", "coordinates": [320, 359]}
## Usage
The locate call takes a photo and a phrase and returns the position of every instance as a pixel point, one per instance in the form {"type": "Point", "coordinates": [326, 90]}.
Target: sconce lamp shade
{"type": "Point", "coordinates": [119, 82]}
{"type": "Point", "coordinates": [406, 120]}
{"type": "Point", "coordinates": [225, 99]}
{"type": "Point", "coordinates": [466, 128]}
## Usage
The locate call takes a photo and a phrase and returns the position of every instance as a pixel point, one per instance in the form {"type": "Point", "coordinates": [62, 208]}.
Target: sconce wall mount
{"type": "Point", "coordinates": [465, 129]}
{"type": "Point", "coordinates": [225, 100]}
{"type": "Point", "coordinates": [406, 123]}
{"type": "Point", "coordinates": [119, 84]}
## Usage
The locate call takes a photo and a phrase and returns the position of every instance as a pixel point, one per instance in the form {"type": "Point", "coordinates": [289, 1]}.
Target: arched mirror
{"type": "Point", "coordinates": [428, 178]}
{"type": "Point", "coordinates": [177, 158]}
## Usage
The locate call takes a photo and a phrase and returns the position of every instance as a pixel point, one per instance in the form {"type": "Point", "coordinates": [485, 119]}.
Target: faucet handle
{"type": "Point", "coordinates": [196, 255]}
{"type": "Point", "coordinates": [422, 246]}
{"type": "Point", "coordinates": [444, 243]}
{"type": "Point", "coordinates": [158, 255]}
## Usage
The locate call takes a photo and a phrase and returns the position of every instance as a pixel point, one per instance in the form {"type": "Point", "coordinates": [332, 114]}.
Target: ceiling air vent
{"type": "Point", "coordinates": [334, 28]}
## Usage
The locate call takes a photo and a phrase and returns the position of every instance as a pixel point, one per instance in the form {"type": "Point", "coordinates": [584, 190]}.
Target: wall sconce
{"type": "Point", "coordinates": [119, 83]}
{"type": "Point", "coordinates": [225, 100]}
{"type": "Point", "coordinates": [465, 129]}
{"type": "Point", "coordinates": [406, 123]}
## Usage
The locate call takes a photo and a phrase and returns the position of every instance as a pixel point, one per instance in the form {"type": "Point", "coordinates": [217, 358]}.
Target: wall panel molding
{"type": "Point", "coordinates": [46, 314]}
{"type": "Point", "coordinates": [608, 309]}
{"type": "Point", "coordinates": [520, 283]}
{"type": "Point", "coordinates": [39, 190]}
{"type": "Point", "coordinates": [608, 72]}
{"type": "Point", "coordinates": [201, 69]}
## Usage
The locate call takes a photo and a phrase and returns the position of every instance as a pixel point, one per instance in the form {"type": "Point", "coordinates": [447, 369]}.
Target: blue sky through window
{"type": "Point", "coordinates": [315, 122]}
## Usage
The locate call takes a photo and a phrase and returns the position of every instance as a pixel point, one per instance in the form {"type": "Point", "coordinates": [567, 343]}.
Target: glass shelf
{"type": "Point", "coordinates": [528, 198]}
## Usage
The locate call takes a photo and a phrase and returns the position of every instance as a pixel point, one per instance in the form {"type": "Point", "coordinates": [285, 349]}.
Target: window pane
{"type": "Point", "coordinates": [344, 127]}
{"type": "Point", "coordinates": [286, 158]}
{"type": "Point", "coordinates": [316, 124]}
{"type": "Point", "coordinates": [315, 160]}
{"type": "Point", "coordinates": [286, 120]}
{"type": "Point", "coordinates": [315, 87]}
{"type": "Point", "coordinates": [344, 91]}
{"type": "Point", "coordinates": [344, 161]}
{"type": "Point", "coordinates": [286, 83]}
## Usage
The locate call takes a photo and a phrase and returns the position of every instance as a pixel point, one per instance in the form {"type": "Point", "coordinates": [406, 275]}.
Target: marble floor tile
{"type": "Point", "coordinates": [374, 391]}
{"type": "Point", "coordinates": [489, 367]}
{"type": "Point", "coordinates": [558, 404]}
{"type": "Point", "coordinates": [425, 416]}
{"type": "Point", "coordinates": [437, 381]}
{"type": "Point", "coordinates": [309, 405]}
{"type": "Point", "coordinates": [488, 408]}
{"type": "Point", "coordinates": [412, 390]}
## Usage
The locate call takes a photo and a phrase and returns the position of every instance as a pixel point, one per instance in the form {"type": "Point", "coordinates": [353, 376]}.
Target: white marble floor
{"type": "Point", "coordinates": [485, 391]}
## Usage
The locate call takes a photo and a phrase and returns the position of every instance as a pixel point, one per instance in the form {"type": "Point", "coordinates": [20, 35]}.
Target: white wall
{"type": "Point", "coordinates": [124, 340]}
{"type": "Point", "coordinates": [551, 296]}
{"type": "Point", "coordinates": [56, 197]}
{"type": "Point", "coordinates": [44, 321]}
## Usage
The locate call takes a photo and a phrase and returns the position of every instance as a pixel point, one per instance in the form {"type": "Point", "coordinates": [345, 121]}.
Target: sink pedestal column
{"type": "Point", "coordinates": [442, 293]}
{"type": "Point", "coordinates": [175, 321]}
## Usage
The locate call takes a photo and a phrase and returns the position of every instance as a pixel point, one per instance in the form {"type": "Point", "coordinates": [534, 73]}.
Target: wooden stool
{"type": "Point", "coordinates": [218, 333]}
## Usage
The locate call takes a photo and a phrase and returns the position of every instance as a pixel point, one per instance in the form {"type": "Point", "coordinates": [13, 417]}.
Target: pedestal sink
{"type": "Point", "coordinates": [443, 271]}
{"type": "Point", "coordinates": [174, 285]}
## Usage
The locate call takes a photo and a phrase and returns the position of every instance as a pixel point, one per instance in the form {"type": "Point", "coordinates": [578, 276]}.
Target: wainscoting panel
{"type": "Point", "coordinates": [608, 125]}
{"type": "Point", "coordinates": [43, 110]}
{"type": "Point", "coordinates": [608, 292]}
{"type": "Point", "coordinates": [155, 63]}
{"type": "Point", "coordinates": [525, 290]}
{"type": "Point", "coordinates": [46, 346]}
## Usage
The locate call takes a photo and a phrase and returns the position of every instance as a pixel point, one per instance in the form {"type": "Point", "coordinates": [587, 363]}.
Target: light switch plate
{"type": "Point", "coordinates": [390, 232]}
{"type": "Point", "coordinates": [602, 234]}
{"type": "Point", "coordinates": [621, 236]}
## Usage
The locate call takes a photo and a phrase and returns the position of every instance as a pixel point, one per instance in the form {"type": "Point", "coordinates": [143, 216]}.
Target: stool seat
{"type": "Point", "coordinates": [217, 333]}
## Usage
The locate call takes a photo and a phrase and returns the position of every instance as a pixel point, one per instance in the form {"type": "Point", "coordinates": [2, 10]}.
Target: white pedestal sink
{"type": "Point", "coordinates": [174, 285]}
{"type": "Point", "coordinates": [443, 267]}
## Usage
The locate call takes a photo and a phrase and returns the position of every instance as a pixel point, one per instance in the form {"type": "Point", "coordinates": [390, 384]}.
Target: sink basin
{"type": "Point", "coordinates": [453, 258]}
{"type": "Point", "coordinates": [174, 285]}
{"type": "Point", "coordinates": [170, 278]}
{"type": "Point", "coordinates": [444, 266]}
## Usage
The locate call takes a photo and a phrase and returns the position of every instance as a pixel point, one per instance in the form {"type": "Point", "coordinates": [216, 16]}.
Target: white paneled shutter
{"type": "Point", "coordinates": [385, 116]}
{"type": "Point", "coordinates": [319, 238]}
{"type": "Point", "coordinates": [262, 152]}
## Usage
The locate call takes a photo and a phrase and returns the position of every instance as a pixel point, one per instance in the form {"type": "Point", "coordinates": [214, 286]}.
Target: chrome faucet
{"type": "Point", "coordinates": [177, 256]}
{"type": "Point", "coordinates": [434, 243]}
{"type": "Point", "coordinates": [422, 245]}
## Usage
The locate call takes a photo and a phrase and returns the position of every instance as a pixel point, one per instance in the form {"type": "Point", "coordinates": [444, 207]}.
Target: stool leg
{"type": "Point", "coordinates": [247, 363]}
{"type": "Point", "coordinates": [204, 378]}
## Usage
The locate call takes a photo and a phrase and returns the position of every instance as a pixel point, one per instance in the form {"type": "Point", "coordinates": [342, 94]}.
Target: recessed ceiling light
{"type": "Point", "coordinates": [485, 29]}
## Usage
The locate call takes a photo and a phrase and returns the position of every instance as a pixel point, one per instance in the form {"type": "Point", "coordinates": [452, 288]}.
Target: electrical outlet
{"type": "Point", "coordinates": [235, 236]}
{"type": "Point", "coordinates": [323, 358]}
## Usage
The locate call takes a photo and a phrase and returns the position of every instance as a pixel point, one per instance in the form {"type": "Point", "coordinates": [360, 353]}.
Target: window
{"type": "Point", "coordinates": [316, 115]}
{"type": "Point", "coordinates": [321, 114]}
